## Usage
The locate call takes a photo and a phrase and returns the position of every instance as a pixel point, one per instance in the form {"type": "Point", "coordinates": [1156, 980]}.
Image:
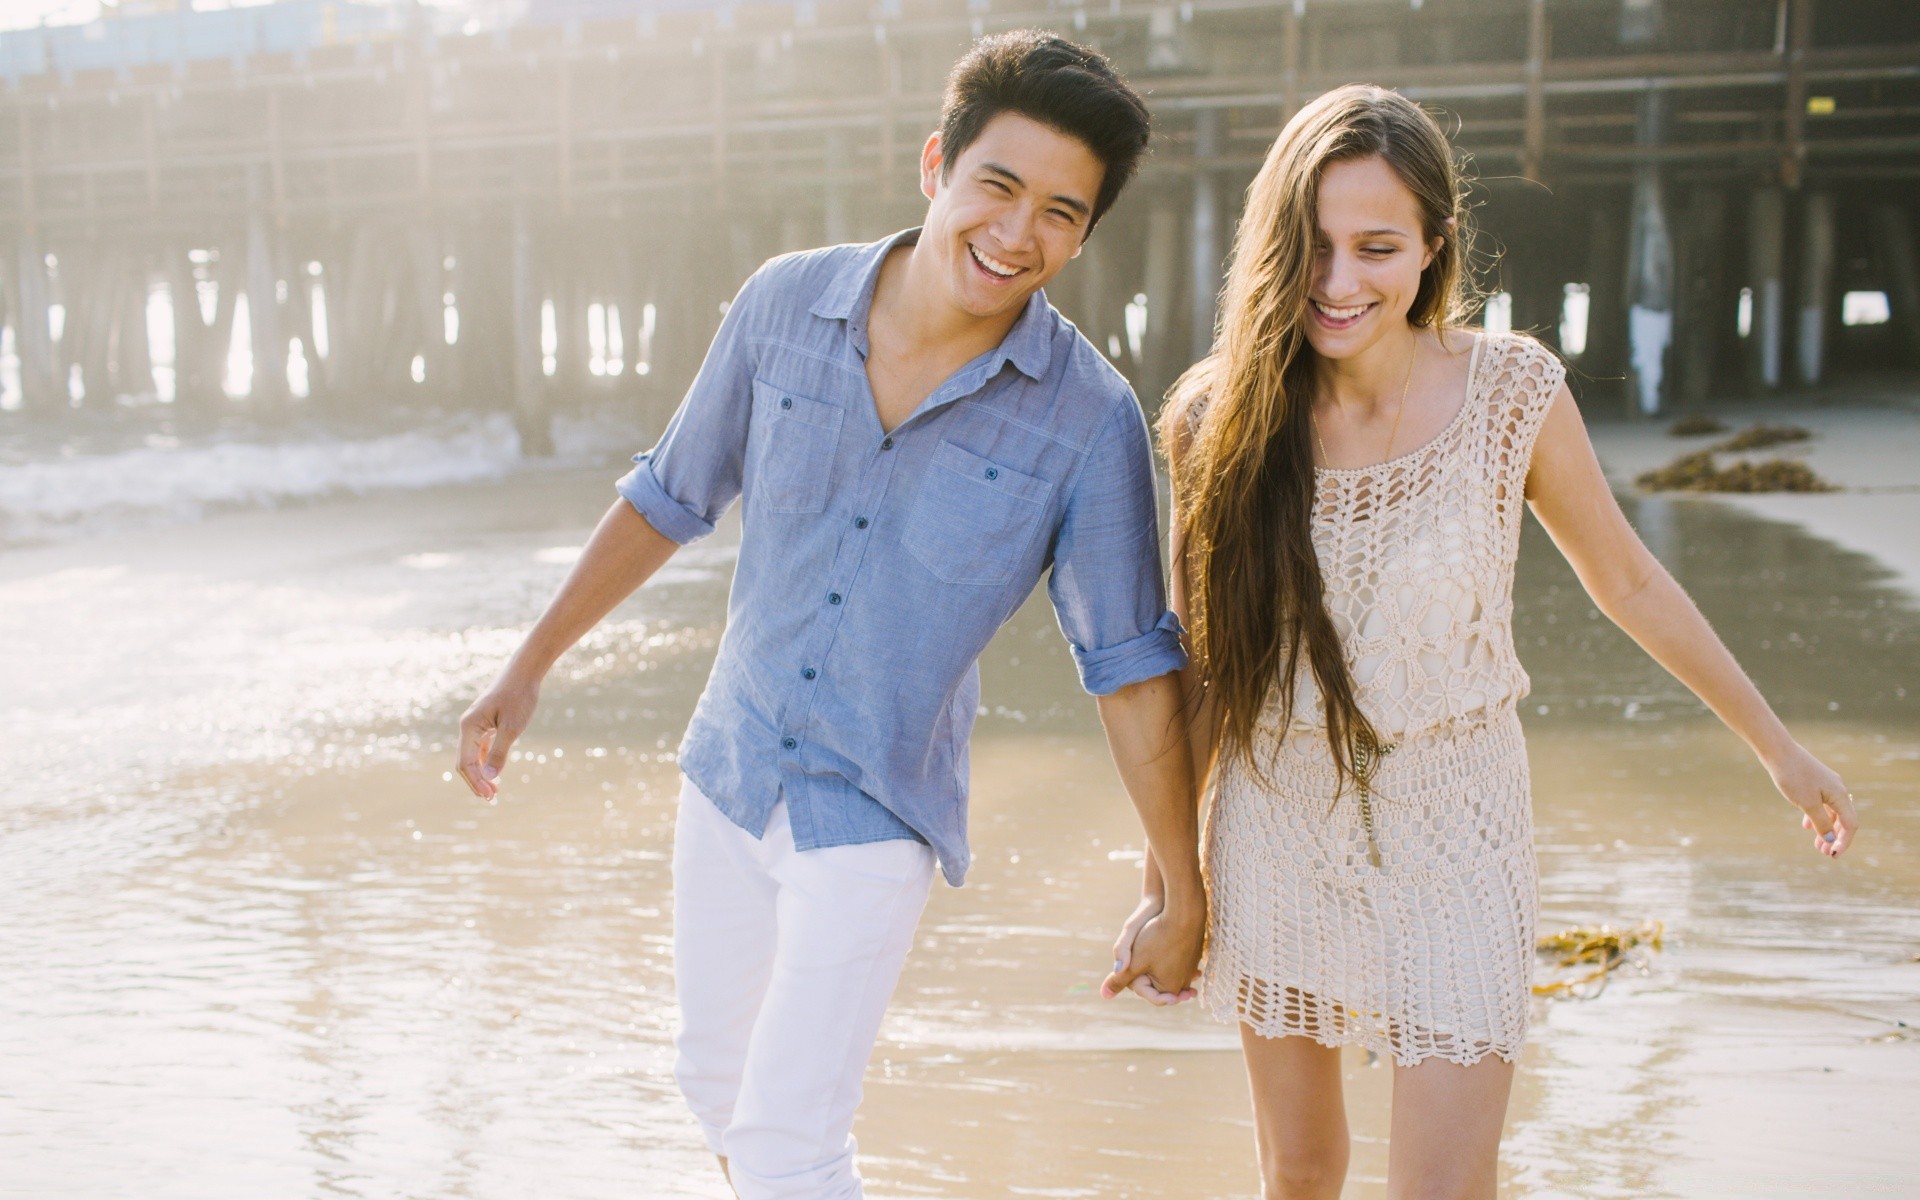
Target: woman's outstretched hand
{"type": "Point", "coordinates": [1825, 805]}
{"type": "Point", "coordinates": [1168, 950]}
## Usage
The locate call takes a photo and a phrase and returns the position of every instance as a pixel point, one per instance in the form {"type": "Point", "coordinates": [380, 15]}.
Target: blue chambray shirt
{"type": "Point", "coordinates": [874, 568]}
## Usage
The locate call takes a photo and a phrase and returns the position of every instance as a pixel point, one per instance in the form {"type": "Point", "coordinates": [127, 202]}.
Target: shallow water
{"type": "Point", "coordinates": [257, 944]}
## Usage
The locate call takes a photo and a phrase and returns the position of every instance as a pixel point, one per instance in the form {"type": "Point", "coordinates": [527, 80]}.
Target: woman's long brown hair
{"type": "Point", "coordinates": [1245, 487]}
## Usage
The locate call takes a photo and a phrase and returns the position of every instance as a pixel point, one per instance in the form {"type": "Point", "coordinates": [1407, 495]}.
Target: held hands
{"type": "Point", "coordinates": [1825, 804]}
{"type": "Point", "coordinates": [487, 731]}
{"type": "Point", "coordinates": [1157, 954]}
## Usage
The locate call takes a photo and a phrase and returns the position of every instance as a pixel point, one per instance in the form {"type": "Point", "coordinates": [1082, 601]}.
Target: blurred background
{"type": "Point", "coordinates": [328, 325]}
{"type": "Point", "coordinates": [538, 207]}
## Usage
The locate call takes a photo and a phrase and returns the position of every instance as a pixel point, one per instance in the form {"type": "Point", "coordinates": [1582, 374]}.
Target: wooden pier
{"type": "Point", "coordinates": [1711, 180]}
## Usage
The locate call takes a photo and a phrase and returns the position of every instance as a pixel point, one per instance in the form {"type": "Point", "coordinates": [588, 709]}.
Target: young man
{"type": "Point", "coordinates": [917, 436]}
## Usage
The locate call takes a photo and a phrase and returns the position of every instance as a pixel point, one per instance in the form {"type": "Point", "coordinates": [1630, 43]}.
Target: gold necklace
{"type": "Point", "coordinates": [1367, 754]}
{"type": "Point", "coordinates": [1392, 433]}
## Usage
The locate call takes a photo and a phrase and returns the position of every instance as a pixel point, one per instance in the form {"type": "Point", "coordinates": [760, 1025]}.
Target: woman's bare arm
{"type": "Point", "coordinates": [1571, 498]}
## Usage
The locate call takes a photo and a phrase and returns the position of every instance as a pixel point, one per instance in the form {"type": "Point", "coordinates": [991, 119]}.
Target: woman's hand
{"type": "Point", "coordinates": [1166, 942]}
{"type": "Point", "coordinates": [1823, 800]}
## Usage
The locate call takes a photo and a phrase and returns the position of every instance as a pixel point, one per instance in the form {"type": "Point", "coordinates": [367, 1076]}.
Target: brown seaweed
{"type": "Point", "coordinates": [1586, 957]}
{"type": "Point", "coordinates": [1759, 437]}
{"type": "Point", "coordinates": [1697, 472]}
{"type": "Point", "coordinates": [1695, 426]}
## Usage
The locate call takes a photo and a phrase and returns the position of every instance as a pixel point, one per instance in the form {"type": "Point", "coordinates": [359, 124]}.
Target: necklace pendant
{"type": "Point", "coordinates": [1366, 825]}
{"type": "Point", "coordinates": [1367, 754]}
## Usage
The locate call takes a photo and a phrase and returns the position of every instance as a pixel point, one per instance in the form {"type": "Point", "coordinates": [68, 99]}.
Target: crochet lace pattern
{"type": "Point", "coordinates": [1429, 954]}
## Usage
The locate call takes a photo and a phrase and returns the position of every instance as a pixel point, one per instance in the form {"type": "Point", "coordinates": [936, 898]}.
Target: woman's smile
{"type": "Point", "coordinates": [1339, 317]}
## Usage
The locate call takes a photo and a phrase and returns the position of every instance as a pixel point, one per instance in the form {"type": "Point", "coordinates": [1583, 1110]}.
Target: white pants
{"type": "Point", "coordinates": [784, 960]}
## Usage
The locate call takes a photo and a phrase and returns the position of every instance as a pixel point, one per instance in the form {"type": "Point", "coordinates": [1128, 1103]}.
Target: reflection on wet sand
{"type": "Point", "coordinates": [257, 944]}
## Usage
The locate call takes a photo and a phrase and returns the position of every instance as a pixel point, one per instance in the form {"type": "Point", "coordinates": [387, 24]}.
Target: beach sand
{"type": "Point", "coordinates": [258, 943]}
{"type": "Point", "coordinates": [1871, 452]}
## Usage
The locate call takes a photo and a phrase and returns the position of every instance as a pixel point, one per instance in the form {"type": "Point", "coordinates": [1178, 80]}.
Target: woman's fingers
{"type": "Point", "coordinates": [1828, 812]}
{"type": "Point", "coordinates": [1834, 828]}
{"type": "Point", "coordinates": [1817, 819]}
{"type": "Point", "coordinates": [1844, 823]}
{"type": "Point", "coordinates": [1144, 987]}
{"type": "Point", "coordinates": [1816, 814]}
{"type": "Point", "coordinates": [1826, 807]}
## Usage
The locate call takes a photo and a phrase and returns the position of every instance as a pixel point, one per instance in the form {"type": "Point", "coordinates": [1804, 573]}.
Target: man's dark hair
{"type": "Point", "coordinates": [1047, 79]}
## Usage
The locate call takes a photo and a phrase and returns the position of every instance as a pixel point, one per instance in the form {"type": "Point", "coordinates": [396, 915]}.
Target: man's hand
{"type": "Point", "coordinates": [488, 730]}
{"type": "Point", "coordinates": [1156, 955]}
{"type": "Point", "coordinates": [1147, 734]}
{"type": "Point", "coordinates": [622, 553]}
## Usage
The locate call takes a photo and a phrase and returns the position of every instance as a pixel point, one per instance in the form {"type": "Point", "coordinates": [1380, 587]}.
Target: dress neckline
{"type": "Point", "coordinates": [1466, 403]}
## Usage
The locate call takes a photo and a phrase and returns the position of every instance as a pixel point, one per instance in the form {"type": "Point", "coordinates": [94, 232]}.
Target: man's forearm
{"type": "Point", "coordinates": [1148, 738]}
{"type": "Point", "coordinates": [1202, 738]}
{"type": "Point", "coordinates": [623, 553]}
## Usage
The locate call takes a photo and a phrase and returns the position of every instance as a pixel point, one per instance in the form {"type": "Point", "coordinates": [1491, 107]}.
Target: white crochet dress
{"type": "Point", "coordinates": [1429, 954]}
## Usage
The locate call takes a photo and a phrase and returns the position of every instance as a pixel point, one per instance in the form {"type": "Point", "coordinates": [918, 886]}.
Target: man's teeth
{"type": "Point", "coordinates": [1341, 314]}
{"type": "Point", "coordinates": [1003, 270]}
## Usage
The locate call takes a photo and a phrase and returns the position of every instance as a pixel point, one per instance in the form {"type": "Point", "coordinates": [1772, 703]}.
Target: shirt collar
{"type": "Point", "coordinates": [849, 297]}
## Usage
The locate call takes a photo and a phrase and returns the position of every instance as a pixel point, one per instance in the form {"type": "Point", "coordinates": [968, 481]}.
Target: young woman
{"type": "Point", "coordinates": [1349, 470]}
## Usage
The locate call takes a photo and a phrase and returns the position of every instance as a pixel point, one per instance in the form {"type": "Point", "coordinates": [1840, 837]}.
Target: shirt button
{"type": "Point", "coordinates": [808, 673]}
{"type": "Point", "coordinates": [859, 522]}
{"type": "Point", "coordinates": [788, 743]}
{"type": "Point", "coordinates": [833, 597]}
{"type": "Point", "coordinates": [786, 402]}
{"type": "Point", "coordinates": [886, 443]}
{"type": "Point", "coordinates": [993, 472]}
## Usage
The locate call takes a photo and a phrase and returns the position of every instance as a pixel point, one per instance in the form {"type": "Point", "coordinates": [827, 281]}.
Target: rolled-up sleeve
{"type": "Point", "coordinates": [695, 472]}
{"type": "Point", "coordinates": [1106, 586]}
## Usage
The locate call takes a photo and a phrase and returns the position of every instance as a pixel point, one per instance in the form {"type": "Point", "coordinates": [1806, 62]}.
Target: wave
{"type": "Point", "coordinates": [56, 498]}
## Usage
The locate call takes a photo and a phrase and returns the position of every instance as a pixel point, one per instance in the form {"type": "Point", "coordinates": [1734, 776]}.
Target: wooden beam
{"type": "Point", "coordinates": [1793, 156]}
{"type": "Point", "coordinates": [1536, 118]}
{"type": "Point", "coordinates": [565, 141]}
{"type": "Point", "coordinates": [29, 190]}
{"type": "Point", "coordinates": [276, 160]}
{"type": "Point", "coordinates": [422, 140]}
{"type": "Point", "coordinates": [1893, 238]}
{"type": "Point", "coordinates": [150, 142]}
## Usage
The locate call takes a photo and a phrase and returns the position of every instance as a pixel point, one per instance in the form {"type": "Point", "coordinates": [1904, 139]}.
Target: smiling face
{"type": "Point", "coordinates": [1009, 213]}
{"type": "Point", "coordinates": [1368, 256]}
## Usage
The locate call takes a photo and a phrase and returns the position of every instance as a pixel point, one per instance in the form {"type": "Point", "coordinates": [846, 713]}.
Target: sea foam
{"type": "Point", "coordinates": [55, 498]}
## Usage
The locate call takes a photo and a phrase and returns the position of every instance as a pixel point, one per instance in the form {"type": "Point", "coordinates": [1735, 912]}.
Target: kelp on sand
{"type": "Point", "coordinates": [1697, 472]}
{"type": "Point", "coordinates": [1585, 957]}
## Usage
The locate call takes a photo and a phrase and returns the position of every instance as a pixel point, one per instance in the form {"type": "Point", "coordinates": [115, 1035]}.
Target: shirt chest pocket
{"type": "Point", "coordinates": [791, 467]}
{"type": "Point", "coordinates": [973, 519]}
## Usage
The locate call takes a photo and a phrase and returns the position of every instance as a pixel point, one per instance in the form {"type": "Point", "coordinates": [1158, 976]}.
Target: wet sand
{"type": "Point", "coordinates": [1866, 450]}
{"type": "Point", "coordinates": [258, 944]}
